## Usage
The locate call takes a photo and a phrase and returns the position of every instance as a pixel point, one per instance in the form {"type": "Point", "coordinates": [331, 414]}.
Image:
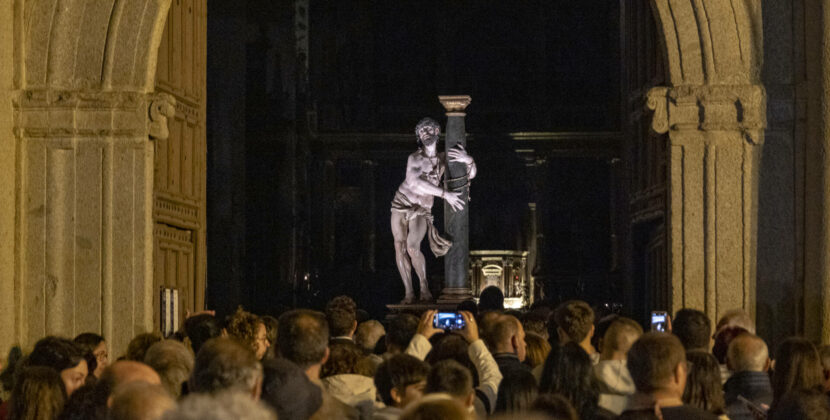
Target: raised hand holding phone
{"type": "Point", "coordinates": [425, 326]}
{"type": "Point", "coordinates": [470, 330]}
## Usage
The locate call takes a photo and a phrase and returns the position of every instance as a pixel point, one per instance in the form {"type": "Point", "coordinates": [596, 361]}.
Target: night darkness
{"type": "Point", "coordinates": [301, 169]}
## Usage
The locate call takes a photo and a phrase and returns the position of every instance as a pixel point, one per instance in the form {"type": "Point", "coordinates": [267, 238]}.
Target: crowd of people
{"type": "Point", "coordinates": [562, 362]}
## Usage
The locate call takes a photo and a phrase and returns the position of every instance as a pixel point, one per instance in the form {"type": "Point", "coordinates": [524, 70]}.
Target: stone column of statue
{"type": "Point", "coordinates": [412, 206]}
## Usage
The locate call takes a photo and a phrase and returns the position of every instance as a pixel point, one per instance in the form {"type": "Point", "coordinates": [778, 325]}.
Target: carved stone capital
{"type": "Point", "coordinates": [455, 104]}
{"type": "Point", "coordinates": [162, 107]}
{"type": "Point", "coordinates": [709, 108]}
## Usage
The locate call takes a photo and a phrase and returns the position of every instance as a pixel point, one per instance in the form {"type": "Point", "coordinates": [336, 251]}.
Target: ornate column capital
{"type": "Point", "coordinates": [455, 104]}
{"type": "Point", "coordinates": [709, 108]}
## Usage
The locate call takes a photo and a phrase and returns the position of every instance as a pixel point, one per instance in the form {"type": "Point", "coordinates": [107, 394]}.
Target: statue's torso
{"type": "Point", "coordinates": [431, 169]}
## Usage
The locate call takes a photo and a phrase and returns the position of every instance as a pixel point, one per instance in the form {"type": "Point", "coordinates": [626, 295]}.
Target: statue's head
{"type": "Point", "coordinates": [427, 130]}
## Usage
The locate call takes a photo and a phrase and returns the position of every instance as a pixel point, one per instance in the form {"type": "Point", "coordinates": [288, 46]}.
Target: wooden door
{"type": "Point", "coordinates": [179, 204]}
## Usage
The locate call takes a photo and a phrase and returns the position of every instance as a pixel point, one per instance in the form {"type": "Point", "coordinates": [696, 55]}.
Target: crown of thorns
{"type": "Point", "coordinates": [426, 122]}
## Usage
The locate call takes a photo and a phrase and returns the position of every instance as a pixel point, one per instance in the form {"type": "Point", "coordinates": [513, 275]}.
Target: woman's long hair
{"type": "Point", "coordinates": [797, 366]}
{"type": "Point", "coordinates": [517, 391]}
{"type": "Point", "coordinates": [38, 394]}
{"type": "Point", "coordinates": [703, 385]}
{"type": "Point", "coordinates": [568, 371]}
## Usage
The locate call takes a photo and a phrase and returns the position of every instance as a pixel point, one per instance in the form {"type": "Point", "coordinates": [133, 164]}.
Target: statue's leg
{"type": "Point", "coordinates": [400, 230]}
{"type": "Point", "coordinates": [417, 231]}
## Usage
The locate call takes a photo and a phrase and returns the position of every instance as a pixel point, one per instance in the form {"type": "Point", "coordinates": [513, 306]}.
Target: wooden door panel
{"type": "Point", "coordinates": [179, 205]}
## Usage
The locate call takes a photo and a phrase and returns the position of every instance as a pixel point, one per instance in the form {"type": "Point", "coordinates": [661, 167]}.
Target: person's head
{"type": "Point", "coordinates": [401, 330]}
{"type": "Point", "coordinates": [124, 372]}
{"type": "Point", "coordinates": [344, 358]}
{"type": "Point", "coordinates": [249, 330]}
{"type": "Point", "coordinates": [201, 328]}
{"type": "Point", "coordinates": [224, 364]}
{"type": "Point", "coordinates": [600, 329]}
{"type": "Point", "coordinates": [303, 337]}
{"type": "Point", "coordinates": [139, 401]}
{"type": "Point", "coordinates": [491, 299]}
{"type": "Point", "coordinates": [797, 366]}
{"type": "Point", "coordinates": [221, 406]}
{"type": "Point", "coordinates": [568, 371]}
{"type": "Point", "coordinates": [693, 328]}
{"type": "Point", "coordinates": [535, 322]}
{"type": "Point", "coordinates": [452, 347]}
{"type": "Point", "coordinates": [736, 318]}
{"type": "Point", "coordinates": [723, 337]}
{"type": "Point", "coordinates": [271, 327]}
{"type": "Point", "coordinates": [401, 379]}
{"type": "Point", "coordinates": [450, 377]}
{"type": "Point", "coordinates": [619, 336]}
{"type": "Point", "coordinates": [427, 131]}
{"type": "Point", "coordinates": [436, 406]}
{"type": "Point", "coordinates": [555, 406]}
{"type": "Point", "coordinates": [88, 402]}
{"type": "Point", "coordinates": [468, 305]}
{"type": "Point", "coordinates": [574, 321]}
{"type": "Point", "coordinates": [517, 391]}
{"type": "Point", "coordinates": [367, 335]}
{"type": "Point", "coordinates": [138, 346]}
{"type": "Point", "coordinates": [703, 383]}
{"type": "Point", "coordinates": [287, 389]}
{"type": "Point", "coordinates": [65, 357]}
{"type": "Point", "coordinates": [173, 361]}
{"type": "Point", "coordinates": [657, 362]}
{"type": "Point", "coordinates": [508, 336]}
{"type": "Point", "coordinates": [747, 353]}
{"type": "Point", "coordinates": [38, 393]}
{"type": "Point", "coordinates": [537, 350]}
{"type": "Point", "coordinates": [802, 404]}
{"type": "Point", "coordinates": [341, 316]}
{"type": "Point", "coordinates": [96, 345]}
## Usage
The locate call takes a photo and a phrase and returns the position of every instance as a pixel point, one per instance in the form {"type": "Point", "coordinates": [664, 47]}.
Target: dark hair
{"type": "Point", "coordinates": [693, 328]}
{"type": "Point", "coordinates": [243, 326]}
{"type": "Point", "coordinates": [491, 299]}
{"type": "Point", "coordinates": [568, 371]}
{"type": "Point", "coordinates": [652, 360]}
{"type": "Point", "coordinates": [303, 337]}
{"type": "Point", "coordinates": [341, 316]}
{"type": "Point", "coordinates": [138, 346]}
{"type": "Point", "coordinates": [797, 367]}
{"type": "Point", "coordinates": [450, 377]}
{"type": "Point", "coordinates": [88, 402]}
{"type": "Point", "coordinates": [802, 404]}
{"type": "Point", "coordinates": [703, 384]}
{"type": "Point", "coordinates": [288, 390]}
{"type": "Point", "coordinates": [401, 330]}
{"type": "Point", "coordinates": [38, 393]}
{"type": "Point", "coordinates": [344, 357]}
{"type": "Point", "coordinates": [722, 340]}
{"type": "Point", "coordinates": [575, 318]}
{"type": "Point", "coordinates": [224, 364]}
{"type": "Point", "coordinates": [453, 347]}
{"type": "Point", "coordinates": [535, 322]}
{"type": "Point", "coordinates": [601, 328]}
{"type": "Point", "coordinates": [57, 353]}
{"type": "Point", "coordinates": [517, 391]}
{"type": "Point", "coordinates": [400, 371]}
{"type": "Point", "coordinates": [88, 340]}
{"type": "Point", "coordinates": [201, 328]}
{"type": "Point", "coordinates": [554, 406]}
{"type": "Point", "coordinates": [7, 376]}
{"type": "Point", "coordinates": [431, 409]}
{"type": "Point", "coordinates": [468, 305]}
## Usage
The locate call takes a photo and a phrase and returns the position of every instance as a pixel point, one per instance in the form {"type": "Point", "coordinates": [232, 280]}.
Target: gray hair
{"type": "Point", "coordinates": [368, 333]}
{"type": "Point", "coordinates": [747, 352]}
{"type": "Point", "coordinates": [225, 365]}
{"type": "Point", "coordinates": [173, 361]}
{"type": "Point", "coordinates": [221, 406]}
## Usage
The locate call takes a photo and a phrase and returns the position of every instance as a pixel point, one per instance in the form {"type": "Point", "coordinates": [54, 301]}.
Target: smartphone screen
{"type": "Point", "coordinates": [659, 321]}
{"type": "Point", "coordinates": [448, 321]}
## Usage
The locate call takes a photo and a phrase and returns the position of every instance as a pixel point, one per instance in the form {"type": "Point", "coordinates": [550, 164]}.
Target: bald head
{"type": "Point", "coordinates": [748, 353]}
{"type": "Point", "coordinates": [126, 371]}
{"type": "Point", "coordinates": [139, 401]}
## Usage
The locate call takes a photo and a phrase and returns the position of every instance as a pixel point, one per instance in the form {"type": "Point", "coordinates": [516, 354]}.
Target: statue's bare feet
{"type": "Point", "coordinates": [426, 296]}
{"type": "Point", "coordinates": [408, 299]}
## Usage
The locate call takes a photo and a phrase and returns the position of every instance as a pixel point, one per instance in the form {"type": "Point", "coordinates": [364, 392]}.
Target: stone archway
{"type": "Point", "coordinates": [83, 118]}
{"type": "Point", "coordinates": [714, 111]}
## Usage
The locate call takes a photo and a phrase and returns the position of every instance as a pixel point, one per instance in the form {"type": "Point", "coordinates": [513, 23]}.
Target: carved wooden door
{"type": "Point", "coordinates": [179, 204]}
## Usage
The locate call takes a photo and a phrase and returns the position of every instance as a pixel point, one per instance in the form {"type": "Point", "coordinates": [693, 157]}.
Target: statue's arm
{"type": "Point", "coordinates": [459, 154]}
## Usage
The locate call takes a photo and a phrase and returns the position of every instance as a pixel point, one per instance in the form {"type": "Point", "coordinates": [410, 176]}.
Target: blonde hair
{"type": "Point", "coordinates": [537, 349]}
{"type": "Point", "coordinates": [621, 334]}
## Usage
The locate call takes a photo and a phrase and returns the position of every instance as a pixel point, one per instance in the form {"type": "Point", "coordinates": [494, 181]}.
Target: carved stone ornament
{"type": "Point", "coordinates": [708, 108]}
{"type": "Point", "coordinates": [455, 104]}
{"type": "Point", "coordinates": [162, 107]}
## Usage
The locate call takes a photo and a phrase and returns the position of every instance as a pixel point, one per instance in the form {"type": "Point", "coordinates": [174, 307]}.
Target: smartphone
{"type": "Point", "coordinates": [757, 411]}
{"type": "Point", "coordinates": [448, 321]}
{"type": "Point", "coordinates": [659, 321]}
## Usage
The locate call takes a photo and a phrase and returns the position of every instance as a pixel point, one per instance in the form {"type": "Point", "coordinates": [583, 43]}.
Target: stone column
{"type": "Point", "coordinates": [715, 138]}
{"type": "Point", "coordinates": [456, 223]}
